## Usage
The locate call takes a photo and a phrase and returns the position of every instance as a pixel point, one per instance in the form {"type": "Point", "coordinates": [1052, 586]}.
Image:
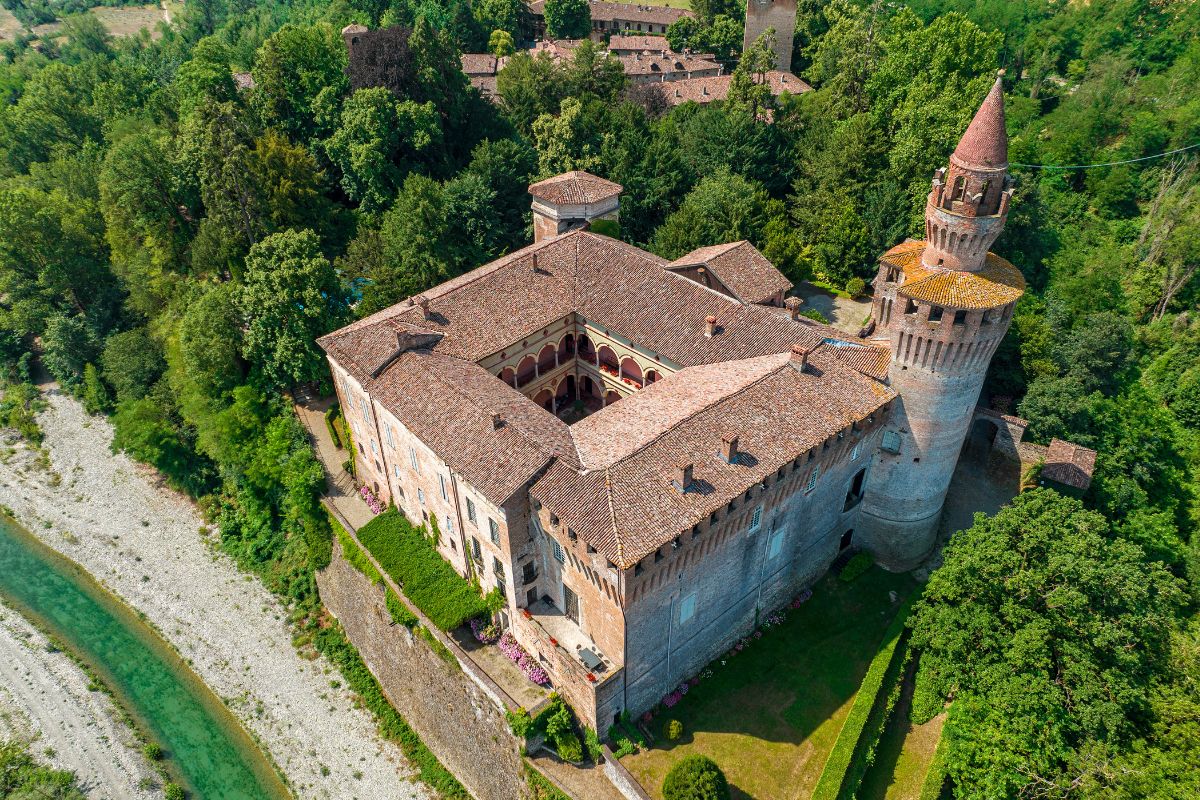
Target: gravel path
{"type": "Point", "coordinates": [45, 700]}
{"type": "Point", "coordinates": [141, 540]}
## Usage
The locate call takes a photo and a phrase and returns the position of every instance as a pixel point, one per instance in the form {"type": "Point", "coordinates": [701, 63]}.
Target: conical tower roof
{"type": "Point", "coordinates": [985, 144]}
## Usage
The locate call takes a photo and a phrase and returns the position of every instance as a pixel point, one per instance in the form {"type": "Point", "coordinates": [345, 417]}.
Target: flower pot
{"type": "Point", "coordinates": [554, 641]}
{"type": "Point", "coordinates": [526, 614]}
{"type": "Point", "coordinates": [591, 678]}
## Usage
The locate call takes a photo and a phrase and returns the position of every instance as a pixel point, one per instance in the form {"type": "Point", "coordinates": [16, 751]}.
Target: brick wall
{"type": "Point", "coordinates": [777, 14]}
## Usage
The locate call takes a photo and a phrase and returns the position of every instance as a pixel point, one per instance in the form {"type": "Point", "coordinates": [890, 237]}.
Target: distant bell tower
{"type": "Point", "coordinates": [942, 305]}
{"type": "Point", "coordinates": [777, 14]}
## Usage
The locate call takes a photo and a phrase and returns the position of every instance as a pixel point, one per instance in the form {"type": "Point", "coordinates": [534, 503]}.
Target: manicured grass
{"type": "Point", "coordinates": [770, 716]}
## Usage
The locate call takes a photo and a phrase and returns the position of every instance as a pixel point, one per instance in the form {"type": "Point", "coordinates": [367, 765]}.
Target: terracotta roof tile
{"type": "Point", "coordinates": [574, 188]}
{"type": "Point", "coordinates": [475, 64]}
{"type": "Point", "coordinates": [655, 43]}
{"type": "Point", "coordinates": [706, 90]}
{"type": "Point", "coordinates": [629, 12]}
{"type": "Point", "coordinates": [997, 283]}
{"type": "Point", "coordinates": [747, 273]}
{"type": "Point", "coordinates": [985, 143]}
{"type": "Point", "coordinates": [1069, 464]}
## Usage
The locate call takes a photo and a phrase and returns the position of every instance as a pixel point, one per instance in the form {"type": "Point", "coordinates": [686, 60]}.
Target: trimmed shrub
{"type": "Point", "coordinates": [569, 747]}
{"type": "Point", "coordinates": [812, 313]}
{"type": "Point", "coordinates": [592, 742]}
{"type": "Point", "coordinates": [695, 777]}
{"type": "Point", "coordinates": [674, 730]}
{"type": "Point", "coordinates": [855, 567]}
{"type": "Point", "coordinates": [855, 286]}
{"type": "Point", "coordinates": [519, 721]}
{"type": "Point", "coordinates": [625, 747]}
{"type": "Point", "coordinates": [852, 752]}
{"type": "Point", "coordinates": [426, 578]}
{"type": "Point", "coordinates": [330, 417]}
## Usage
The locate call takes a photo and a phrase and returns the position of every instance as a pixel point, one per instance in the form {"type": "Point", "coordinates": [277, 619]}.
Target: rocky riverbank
{"type": "Point", "coordinates": [148, 545]}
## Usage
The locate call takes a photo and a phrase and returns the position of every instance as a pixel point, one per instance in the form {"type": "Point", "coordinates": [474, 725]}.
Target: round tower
{"type": "Point", "coordinates": [942, 305]}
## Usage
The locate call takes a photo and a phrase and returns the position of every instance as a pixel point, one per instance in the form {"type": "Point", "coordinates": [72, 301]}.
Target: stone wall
{"type": "Point", "coordinates": [777, 14]}
{"type": "Point", "coordinates": [456, 717]}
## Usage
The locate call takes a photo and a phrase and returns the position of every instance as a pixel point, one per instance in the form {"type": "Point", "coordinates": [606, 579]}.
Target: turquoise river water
{"type": "Point", "coordinates": [210, 753]}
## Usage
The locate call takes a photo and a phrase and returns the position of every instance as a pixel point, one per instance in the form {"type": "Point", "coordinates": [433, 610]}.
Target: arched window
{"type": "Point", "coordinates": [960, 188]}
{"type": "Point", "coordinates": [651, 376]}
{"type": "Point", "coordinates": [545, 399]}
{"type": "Point", "coordinates": [526, 370]}
{"type": "Point", "coordinates": [983, 190]}
{"type": "Point", "coordinates": [547, 359]}
{"type": "Point", "coordinates": [566, 348]}
{"type": "Point", "coordinates": [587, 351]}
{"type": "Point", "coordinates": [611, 398]}
{"type": "Point", "coordinates": [608, 361]}
{"type": "Point", "coordinates": [509, 376]}
{"type": "Point", "coordinates": [631, 372]}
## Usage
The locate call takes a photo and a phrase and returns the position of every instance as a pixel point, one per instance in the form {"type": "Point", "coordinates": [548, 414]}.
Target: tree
{"type": "Point", "coordinates": [568, 19]}
{"type": "Point", "coordinates": [749, 90]}
{"type": "Point", "coordinates": [1048, 634]}
{"type": "Point", "coordinates": [499, 15]}
{"type": "Point", "coordinates": [290, 296]}
{"type": "Point", "coordinates": [206, 76]}
{"type": "Point", "coordinates": [500, 44]}
{"type": "Point", "coordinates": [722, 208]}
{"type": "Point", "coordinates": [379, 141]}
{"type": "Point", "coordinates": [695, 777]}
{"type": "Point", "coordinates": [568, 141]}
{"type": "Point", "coordinates": [294, 68]}
{"type": "Point", "coordinates": [132, 362]}
{"type": "Point", "coordinates": [69, 344]}
{"type": "Point", "coordinates": [593, 71]}
{"type": "Point", "coordinates": [683, 34]}
{"type": "Point", "coordinates": [530, 87]}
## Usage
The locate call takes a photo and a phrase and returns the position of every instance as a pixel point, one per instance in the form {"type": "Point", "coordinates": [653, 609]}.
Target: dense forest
{"type": "Point", "coordinates": [171, 245]}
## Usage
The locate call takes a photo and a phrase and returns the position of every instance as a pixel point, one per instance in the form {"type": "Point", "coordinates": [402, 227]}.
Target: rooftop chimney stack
{"type": "Point", "coordinates": [792, 304]}
{"type": "Point", "coordinates": [710, 326]}
{"type": "Point", "coordinates": [800, 356]}
{"type": "Point", "coordinates": [683, 477]}
{"type": "Point", "coordinates": [423, 302]}
{"type": "Point", "coordinates": [497, 422]}
{"type": "Point", "coordinates": [729, 448]}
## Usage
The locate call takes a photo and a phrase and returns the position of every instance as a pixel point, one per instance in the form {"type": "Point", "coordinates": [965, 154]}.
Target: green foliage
{"type": "Point", "coordinates": [519, 721]}
{"type": "Point", "coordinates": [674, 730]}
{"type": "Point", "coordinates": [568, 19]}
{"type": "Point", "coordinates": [856, 286]}
{"type": "Point", "coordinates": [173, 791]}
{"type": "Point", "coordinates": [396, 608]}
{"type": "Point", "coordinates": [814, 314]}
{"type": "Point", "coordinates": [428, 580]}
{"type": "Point", "coordinates": [569, 747]}
{"type": "Point", "coordinates": [18, 410]}
{"type": "Point", "coordinates": [96, 399]}
{"type": "Point", "coordinates": [21, 776]}
{"type": "Point", "coordinates": [132, 361]}
{"type": "Point", "coordinates": [855, 567]}
{"type": "Point", "coordinates": [1041, 585]}
{"type": "Point", "coordinates": [500, 44]}
{"type": "Point", "coordinates": [356, 557]}
{"type": "Point", "coordinates": [723, 207]}
{"type": "Point", "coordinates": [695, 777]}
{"type": "Point", "coordinates": [152, 751]}
{"type": "Point", "coordinates": [854, 748]}
{"type": "Point", "coordinates": [935, 776]}
{"type": "Point", "coordinates": [592, 742]}
{"type": "Point", "coordinates": [331, 425]}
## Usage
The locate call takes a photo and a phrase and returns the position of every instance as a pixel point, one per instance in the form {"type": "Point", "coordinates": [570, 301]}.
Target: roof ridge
{"type": "Point", "coordinates": [612, 517]}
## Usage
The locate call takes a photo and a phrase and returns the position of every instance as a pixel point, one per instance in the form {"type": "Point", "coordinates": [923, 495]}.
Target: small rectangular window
{"type": "Point", "coordinates": [442, 483]}
{"type": "Point", "coordinates": [497, 568]}
{"type": "Point", "coordinates": [374, 447]}
{"type": "Point", "coordinates": [470, 510]}
{"type": "Point", "coordinates": [476, 552]}
{"type": "Point", "coordinates": [421, 496]}
{"type": "Point", "coordinates": [687, 608]}
{"type": "Point", "coordinates": [387, 432]}
{"type": "Point", "coordinates": [855, 451]}
{"type": "Point", "coordinates": [756, 519]}
{"type": "Point", "coordinates": [638, 568]}
{"type": "Point", "coordinates": [559, 555]}
{"type": "Point", "coordinates": [494, 530]}
{"type": "Point", "coordinates": [776, 544]}
{"type": "Point", "coordinates": [812, 478]}
{"type": "Point", "coordinates": [412, 459]}
{"type": "Point", "coordinates": [449, 524]}
{"type": "Point", "coordinates": [396, 469]}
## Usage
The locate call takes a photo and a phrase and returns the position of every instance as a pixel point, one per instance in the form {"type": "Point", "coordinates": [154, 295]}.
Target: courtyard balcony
{"type": "Point", "coordinates": [557, 630]}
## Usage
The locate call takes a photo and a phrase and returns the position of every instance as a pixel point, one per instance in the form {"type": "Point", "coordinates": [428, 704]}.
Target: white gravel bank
{"type": "Point", "coordinates": [141, 540]}
{"type": "Point", "coordinates": [44, 700]}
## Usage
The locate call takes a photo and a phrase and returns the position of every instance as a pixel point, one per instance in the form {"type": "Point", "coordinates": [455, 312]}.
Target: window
{"type": "Point", "coordinates": [387, 432]}
{"type": "Point", "coordinates": [855, 451]}
{"type": "Point", "coordinates": [960, 188]}
{"type": "Point", "coordinates": [476, 552]}
{"type": "Point", "coordinates": [421, 496]}
{"type": "Point", "coordinates": [374, 447]}
{"type": "Point", "coordinates": [756, 519]}
{"type": "Point", "coordinates": [935, 313]}
{"type": "Point", "coordinates": [494, 530]}
{"type": "Point", "coordinates": [449, 524]}
{"type": "Point", "coordinates": [687, 608]}
{"type": "Point", "coordinates": [637, 568]}
{"type": "Point", "coordinates": [775, 546]}
{"type": "Point", "coordinates": [471, 511]}
{"type": "Point", "coordinates": [498, 569]}
{"type": "Point", "coordinates": [559, 555]}
{"type": "Point", "coordinates": [891, 442]}
{"type": "Point", "coordinates": [812, 478]}
{"type": "Point", "coordinates": [442, 484]}
{"type": "Point", "coordinates": [412, 459]}
{"type": "Point", "coordinates": [658, 556]}
{"type": "Point", "coordinates": [396, 469]}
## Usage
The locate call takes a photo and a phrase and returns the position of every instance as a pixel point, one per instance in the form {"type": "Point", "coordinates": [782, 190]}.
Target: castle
{"type": "Point", "coordinates": [646, 455]}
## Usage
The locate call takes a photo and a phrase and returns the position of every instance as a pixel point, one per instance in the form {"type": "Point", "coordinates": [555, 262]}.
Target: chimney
{"type": "Point", "coordinates": [792, 304]}
{"type": "Point", "coordinates": [800, 356]}
{"type": "Point", "coordinates": [710, 326]}
{"type": "Point", "coordinates": [704, 90]}
{"type": "Point", "coordinates": [729, 448]}
{"type": "Point", "coordinates": [683, 477]}
{"type": "Point", "coordinates": [423, 302]}
{"type": "Point", "coordinates": [497, 422]}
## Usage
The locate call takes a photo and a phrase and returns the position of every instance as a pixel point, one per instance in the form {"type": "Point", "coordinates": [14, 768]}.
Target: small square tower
{"type": "Point", "coordinates": [777, 14]}
{"type": "Point", "coordinates": [573, 200]}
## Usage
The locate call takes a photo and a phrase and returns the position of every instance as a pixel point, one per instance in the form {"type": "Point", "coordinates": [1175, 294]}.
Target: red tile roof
{"type": "Point", "coordinates": [625, 12]}
{"type": "Point", "coordinates": [575, 188]}
{"type": "Point", "coordinates": [747, 273]}
{"type": "Point", "coordinates": [985, 144]}
{"type": "Point", "coordinates": [706, 90]}
{"type": "Point", "coordinates": [655, 43]}
{"type": "Point", "coordinates": [1069, 464]}
{"type": "Point", "coordinates": [996, 284]}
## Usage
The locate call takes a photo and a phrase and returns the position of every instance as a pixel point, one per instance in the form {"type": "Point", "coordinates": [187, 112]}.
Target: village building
{"type": "Point", "coordinates": [609, 18]}
{"type": "Point", "coordinates": [710, 89]}
{"type": "Point", "coordinates": [644, 455]}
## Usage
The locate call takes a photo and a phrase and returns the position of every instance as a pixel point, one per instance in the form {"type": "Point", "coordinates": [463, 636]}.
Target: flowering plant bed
{"type": "Point", "coordinates": [520, 656]}
{"type": "Point", "coordinates": [486, 632]}
{"type": "Point", "coordinates": [372, 501]}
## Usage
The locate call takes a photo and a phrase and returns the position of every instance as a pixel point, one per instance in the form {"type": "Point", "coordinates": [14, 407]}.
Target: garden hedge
{"type": "Point", "coordinates": [330, 418]}
{"type": "Point", "coordinates": [426, 578]}
{"type": "Point", "coordinates": [852, 752]}
{"type": "Point", "coordinates": [935, 778]}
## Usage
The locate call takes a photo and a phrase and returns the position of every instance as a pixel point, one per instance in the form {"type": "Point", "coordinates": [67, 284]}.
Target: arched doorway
{"type": "Point", "coordinates": [611, 397]}
{"type": "Point", "coordinates": [545, 399]}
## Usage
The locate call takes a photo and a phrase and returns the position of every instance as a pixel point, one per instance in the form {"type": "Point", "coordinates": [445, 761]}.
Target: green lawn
{"type": "Point", "coordinates": [903, 755]}
{"type": "Point", "coordinates": [771, 714]}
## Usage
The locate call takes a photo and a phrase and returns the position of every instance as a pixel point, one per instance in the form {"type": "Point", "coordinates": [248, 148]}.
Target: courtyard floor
{"type": "Point", "coordinates": [770, 715]}
{"type": "Point", "coordinates": [843, 313]}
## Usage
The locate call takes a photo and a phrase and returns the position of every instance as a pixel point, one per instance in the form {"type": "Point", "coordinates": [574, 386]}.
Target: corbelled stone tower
{"type": "Point", "coordinates": [942, 305]}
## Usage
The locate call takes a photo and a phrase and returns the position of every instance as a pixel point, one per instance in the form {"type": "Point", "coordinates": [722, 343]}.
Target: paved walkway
{"type": "Point", "coordinates": [844, 314]}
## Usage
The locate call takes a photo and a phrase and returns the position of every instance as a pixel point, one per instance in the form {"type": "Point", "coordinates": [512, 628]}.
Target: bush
{"type": "Point", "coordinates": [519, 721]}
{"type": "Point", "coordinates": [426, 578]}
{"type": "Point", "coordinates": [855, 568]}
{"type": "Point", "coordinates": [398, 611]}
{"type": "Point", "coordinates": [592, 742]}
{"type": "Point", "coordinates": [18, 409]}
{"type": "Point", "coordinates": [625, 747]}
{"type": "Point", "coordinates": [569, 747]}
{"type": "Point", "coordinates": [674, 730]}
{"type": "Point", "coordinates": [152, 751]}
{"type": "Point", "coordinates": [695, 777]}
{"type": "Point", "coordinates": [173, 791]}
{"type": "Point", "coordinates": [855, 287]}
{"type": "Point", "coordinates": [853, 752]}
{"type": "Point", "coordinates": [812, 313]}
{"type": "Point", "coordinates": [354, 554]}
{"type": "Point", "coordinates": [330, 418]}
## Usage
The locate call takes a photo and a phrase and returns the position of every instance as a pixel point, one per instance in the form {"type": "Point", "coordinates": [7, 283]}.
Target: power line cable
{"type": "Point", "coordinates": [1109, 163]}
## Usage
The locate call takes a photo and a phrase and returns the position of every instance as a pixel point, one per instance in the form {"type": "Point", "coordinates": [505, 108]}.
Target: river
{"type": "Point", "coordinates": [210, 753]}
